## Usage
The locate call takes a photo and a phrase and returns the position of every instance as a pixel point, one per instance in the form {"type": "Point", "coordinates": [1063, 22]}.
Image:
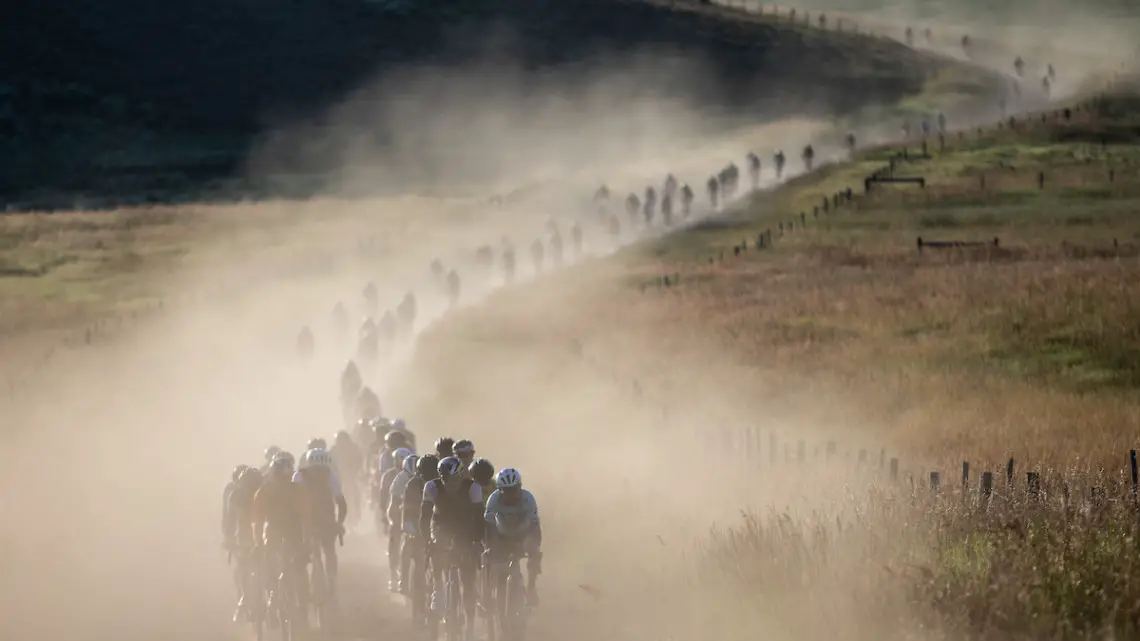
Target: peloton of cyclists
{"type": "Point", "coordinates": [442, 508]}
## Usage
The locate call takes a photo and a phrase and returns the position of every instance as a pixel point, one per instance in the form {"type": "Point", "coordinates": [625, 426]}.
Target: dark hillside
{"type": "Point", "coordinates": [112, 97]}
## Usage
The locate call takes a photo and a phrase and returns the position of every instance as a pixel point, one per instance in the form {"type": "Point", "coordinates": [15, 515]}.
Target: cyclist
{"type": "Point", "coordinates": [451, 513]}
{"type": "Point", "coordinates": [483, 473]}
{"type": "Point", "coordinates": [444, 447]}
{"type": "Point", "coordinates": [512, 517]}
{"type": "Point", "coordinates": [367, 403]}
{"type": "Point", "coordinates": [229, 489]}
{"type": "Point", "coordinates": [239, 534]}
{"type": "Point", "coordinates": [394, 511]}
{"type": "Point", "coordinates": [464, 450]}
{"type": "Point", "coordinates": [383, 483]}
{"type": "Point", "coordinates": [427, 469]}
{"type": "Point", "coordinates": [363, 435]}
{"type": "Point", "coordinates": [349, 464]}
{"type": "Point", "coordinates": [350, 384]}
{"type": "Point", "coordinates": [277, 517]}
{"type": "Point", "coordinates": [271, 452]}
{"type": "Point", "coordinates": [325, 508]}
{"type": "Point", "coordinates": [393, 440]}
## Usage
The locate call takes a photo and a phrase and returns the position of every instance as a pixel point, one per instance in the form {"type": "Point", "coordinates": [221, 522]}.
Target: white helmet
{"type": "Point", "coordinates": [400, 454]}
{"type": "Point", "coordinates": [508, 478]}
{"type": "Point", "coordinates": [317, 457]}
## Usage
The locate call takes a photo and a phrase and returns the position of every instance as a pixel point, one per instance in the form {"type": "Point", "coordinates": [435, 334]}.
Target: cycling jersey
{"type": "Point", "coordinates": [412, 505]}
{"type": "Point", "coordinates": [448, 512]}
{"type": "Point", "coordinates": [396, 497]}
{"type": "Point", "coordinates": [239, 514]}
{"type": "Point", "coordinates": [381, 488]}
{"type": "Point", "coordinates": [488, 489]}
{"type": "Point", "coordinates": [512, 520]}
{"type": "Point", "coordinates": [347, 459]}
{"type": "Point", "coordinates": [279, 505]}
{"type": "Point", "coordinates": [323, 498]}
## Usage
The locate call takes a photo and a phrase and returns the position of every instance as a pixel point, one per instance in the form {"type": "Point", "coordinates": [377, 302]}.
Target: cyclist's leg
{"type": "Point", "coordinates": [497, 554]}
{"type": "Point", "coordinates": [406, 550]}
{"type": "Point", "coordinates": [469, 579]}
{"type": "Point", "coordinates": [327, 544]}
{"type": "Point", "coordinates": [395, 538]}
{"type": "Point", "coordinates": [435, 557]}
{"type": "Point", "coordinates": [533, 549]}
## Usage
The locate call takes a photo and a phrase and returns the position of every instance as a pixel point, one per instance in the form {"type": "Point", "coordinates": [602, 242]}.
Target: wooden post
{"type": "Point", "coordinates": [1135, 479]}
{"type": "Point", "coordinates": [1041, 180]}
{"type": "Point", "coordinates": [882, 458]}
{"type": "Point", "coordinates": [1033, 485]}
{"type": "Point", "coordinates": [965, 478]}
{"type": "Point", "coordinates": [935, 478]}
{"type": "Point", "coordinates": [1009, 473]}
{"type": "Point", "coordinates": [894, 469]}
{"type": "Point", "coordinates": [772, 447]}
{"type": "Point", "coordinates": [987, 488]}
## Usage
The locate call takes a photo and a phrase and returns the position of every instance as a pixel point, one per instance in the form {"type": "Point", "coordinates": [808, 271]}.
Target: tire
{"type": "Point", "coordinates": [454, 605]}
{"type": "Point", "coordinates": [514, 627]}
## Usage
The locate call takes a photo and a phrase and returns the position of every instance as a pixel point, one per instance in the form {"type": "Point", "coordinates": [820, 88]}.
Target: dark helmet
{"type": "Point", "coordinates": [343, 437]}
{"type": "Point", "coordinates": [396, 439]}
{"type": "Point", "coordinates": [449, 467]}
{"type": "Point", "coordinates": [249, 476]}
{"type": "Point", "coordinates": [444, 447]}
{"type": "Point", "coordinates": [482, 471]}
{"type": "Point", "coordinates": [237, 472]}
{"type": "Point", "coordinates": [281, 466]}
{"type": "Point", "coordinates": [316, 443]}
{"type": "Point", "coordinates": [427, 466]}
{"type": "Point", "coordinates": [464, 446]}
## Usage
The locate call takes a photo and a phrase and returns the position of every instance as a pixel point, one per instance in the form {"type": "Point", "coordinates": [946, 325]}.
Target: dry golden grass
{"type": "Point", "coordinates": [843, 331]}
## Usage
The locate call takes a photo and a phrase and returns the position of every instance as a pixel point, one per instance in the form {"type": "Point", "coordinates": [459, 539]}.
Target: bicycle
{"type": "Point", "coordinates": [253, 603]}
{"type": "Point", "coordinates": [282, 611]}
{"type": "Point", "coordinates": [509, 618]}
{"type": "Point", "coordinates": [320, 590]}
{"type": "Point", "coordinates": [453, 615]}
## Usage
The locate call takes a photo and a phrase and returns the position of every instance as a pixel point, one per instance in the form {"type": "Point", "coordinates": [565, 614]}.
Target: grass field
{"type": "Point", "coordinates": [838, 329]}
{"type": "Point", "coordinates": [842, 329]}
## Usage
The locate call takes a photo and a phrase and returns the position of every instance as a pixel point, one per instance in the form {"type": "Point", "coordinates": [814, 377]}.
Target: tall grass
{"type": "Point", "coordinates": [1015, 567]}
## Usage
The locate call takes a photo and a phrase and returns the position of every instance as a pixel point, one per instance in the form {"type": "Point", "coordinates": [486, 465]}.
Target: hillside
{"type": "Point", "coordinates": [153, 101]}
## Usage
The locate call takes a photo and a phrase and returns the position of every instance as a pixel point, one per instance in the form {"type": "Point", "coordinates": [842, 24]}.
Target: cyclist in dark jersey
{"type": "Point", "coordinates": [325, 508]}
{"type": "Point", "coordinates": [452, 512]}
{"type": "Point", "coordinates": [278, 515]}
{"type": "Point", "coordinates": [410, 512]}
{"type": "Point", "coordinates": [239, 533]}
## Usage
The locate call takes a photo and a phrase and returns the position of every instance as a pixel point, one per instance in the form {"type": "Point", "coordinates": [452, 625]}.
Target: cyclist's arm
{"type": "Point", "coordinates": [427, 507]}
{"type": "Point", "coordinates": [257, 516]}
{"type": "Point", "coordinates": [227, 520]}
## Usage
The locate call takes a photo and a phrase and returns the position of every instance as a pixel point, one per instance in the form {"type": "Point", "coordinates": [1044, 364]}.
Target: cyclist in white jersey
{"type": "Point", "coordinates": [512, 519]}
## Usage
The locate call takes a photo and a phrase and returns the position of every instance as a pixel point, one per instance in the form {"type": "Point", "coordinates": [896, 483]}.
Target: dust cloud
{"type": "Point", "coordinates": [116, 458]}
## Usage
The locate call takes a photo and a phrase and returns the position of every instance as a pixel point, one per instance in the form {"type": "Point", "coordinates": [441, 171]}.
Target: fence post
{"type": "Point", "coordinates": [1135, 479]}
{"type": "Point", "coordinates": [772, 447]}
{"type": "Point", "coordinates": [965, 479]}
{"type": "Point", "coordinates": [882, 458]}
{"type": "Point", "coordinates": [1033, 485]}
{"type": "Point", "coordinates": [1009, 473]}
{"type": "Point", "coordinates": [987, 488]}
{"type": "Point", "coordinates": [894, 469]}
{"type": "Point", "coordinates": [935, 478]}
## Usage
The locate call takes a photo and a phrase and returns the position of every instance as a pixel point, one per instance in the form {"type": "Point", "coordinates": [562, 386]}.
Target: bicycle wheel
{"type": "Point", "coordinates": [454, 605]}
{"type": "Point", "coordinates": [514, 628]}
